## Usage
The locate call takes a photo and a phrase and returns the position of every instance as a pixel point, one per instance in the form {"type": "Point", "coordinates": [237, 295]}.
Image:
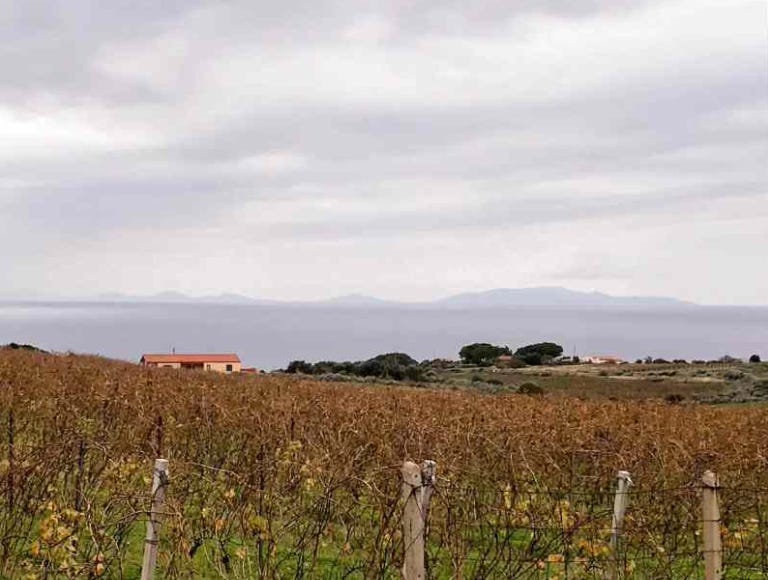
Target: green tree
{"type": "Point", "coordinates": [395, 359]}
{"type": "Point", "coordinates": [482, 353]}
{"type": "Point", "coordinates": [539, 353]}
{"type": "Point", "coordinates": [300, 366]}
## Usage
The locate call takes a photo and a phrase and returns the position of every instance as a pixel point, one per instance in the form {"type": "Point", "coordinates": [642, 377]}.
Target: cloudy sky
{"type": "Point", "coordinates": [407, 149]}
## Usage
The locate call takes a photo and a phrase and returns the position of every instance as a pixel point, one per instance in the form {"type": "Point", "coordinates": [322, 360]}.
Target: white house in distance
{"type": "Point", "coordinates": [602, 360]}
{"type": "Point", "coordinates": [223, 363]}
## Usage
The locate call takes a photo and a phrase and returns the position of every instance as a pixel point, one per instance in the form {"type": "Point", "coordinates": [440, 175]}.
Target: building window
{"type": "Point", "coordinates": [229, 368]}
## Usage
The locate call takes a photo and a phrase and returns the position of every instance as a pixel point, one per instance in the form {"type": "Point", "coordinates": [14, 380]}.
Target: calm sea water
{"type": "Point", "coordinates": [270, 336]}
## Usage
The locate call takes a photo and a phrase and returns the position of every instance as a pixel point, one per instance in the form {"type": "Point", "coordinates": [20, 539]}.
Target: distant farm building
{"type": "Point", "coordinates": [222, 363]}
{"type": "Point", "coordinates": [508, 361]}
{"type": "Point", "coordinates": [602, 360]}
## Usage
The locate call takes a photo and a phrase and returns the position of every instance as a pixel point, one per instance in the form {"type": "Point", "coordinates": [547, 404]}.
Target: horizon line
{"type": "Point", "coordinates": [227, 297]}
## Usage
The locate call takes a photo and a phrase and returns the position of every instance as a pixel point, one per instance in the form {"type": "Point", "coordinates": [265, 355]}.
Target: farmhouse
{"type": "Point", "coordinates": [223, 363]}
{"type": "Point", "coordinates": [602, 360]}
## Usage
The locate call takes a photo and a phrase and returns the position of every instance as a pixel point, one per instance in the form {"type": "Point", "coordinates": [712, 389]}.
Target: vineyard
{"type": "Point", "coordinates": [276, 477]}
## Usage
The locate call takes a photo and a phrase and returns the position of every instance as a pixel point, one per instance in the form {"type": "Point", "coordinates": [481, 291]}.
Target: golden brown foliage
{"type": "Point", "coordinates": [274, 476]}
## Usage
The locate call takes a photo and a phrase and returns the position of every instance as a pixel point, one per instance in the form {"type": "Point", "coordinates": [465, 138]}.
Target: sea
{"type": "Point", "coordinates": [269, 336]}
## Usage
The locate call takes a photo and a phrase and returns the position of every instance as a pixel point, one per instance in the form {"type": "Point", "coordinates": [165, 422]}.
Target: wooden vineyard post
{"type": "Point", "coordinates": [619, 509]}
{"type": "Point", "coordinates": [11, 467]}
{"type": "Point", "coordinates": [713, 548]}
{"type": "Point", "coordinates": [159, 485]}
{"type": "Point", "coordinates": [418, 484]}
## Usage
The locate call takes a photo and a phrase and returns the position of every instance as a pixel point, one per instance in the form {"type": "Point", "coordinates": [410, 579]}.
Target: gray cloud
{"type": "Point", "coordinates": [300, 124]}
{"type": "Point", "coordinates": [50, 45]}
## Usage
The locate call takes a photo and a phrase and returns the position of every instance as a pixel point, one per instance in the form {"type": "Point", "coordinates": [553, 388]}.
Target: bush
{"type": "Point", "coordinates": [414, 373]}
{"type": "Point", "coordinates": [17, 346]}
{"type": "Point", "coordinates": [760, 389]}
{"type": "Point", "coordinates": [300, 366]}
{"type": "Point", "coordinates": [755, 358]}
{"type": "Point", "coordinates": [335, 378]}
{"type": "Point", "coordinates": [397, 366]}
{"type": "Point", "coordinates": [530, 389]}
{"type": "Point", "coordinates": [674, 398]}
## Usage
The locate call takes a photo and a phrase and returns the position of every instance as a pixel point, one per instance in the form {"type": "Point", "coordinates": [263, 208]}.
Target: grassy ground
{"type": "Point", "coordinates": [738, 382]}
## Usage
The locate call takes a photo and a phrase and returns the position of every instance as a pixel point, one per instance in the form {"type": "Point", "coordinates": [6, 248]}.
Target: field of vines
{"type": "Point", "coordinates": [277, 477]}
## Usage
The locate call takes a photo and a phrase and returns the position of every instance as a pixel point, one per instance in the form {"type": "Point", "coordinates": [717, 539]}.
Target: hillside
{"type": "Point", "coordinates": [271, 474]}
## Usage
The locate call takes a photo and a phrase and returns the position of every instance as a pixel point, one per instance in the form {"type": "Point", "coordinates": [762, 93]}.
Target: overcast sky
{"type": "Point", "coordinates": [407, 149]}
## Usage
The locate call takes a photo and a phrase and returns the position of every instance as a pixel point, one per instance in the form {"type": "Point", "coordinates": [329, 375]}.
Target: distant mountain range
{"type": "Point", "coordinates": [547, 296]}
{"type": "Point", "coordinates": [553, 296]}
{"type": "Point", "coordinates": [179, 297]}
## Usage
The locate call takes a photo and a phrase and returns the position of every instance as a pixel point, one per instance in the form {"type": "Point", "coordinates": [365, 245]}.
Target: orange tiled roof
{"type": "Point", "coordinates": [190, 358]}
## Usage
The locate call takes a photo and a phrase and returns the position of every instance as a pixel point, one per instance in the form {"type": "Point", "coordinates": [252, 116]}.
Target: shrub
{"type": "Point", "coordinates": [760, 388]}
{"type": "Point", "coordinates": [299, 366]}
{"type": "Point", "coordinates": [755, 358]}
{"type": "Point", "coordinates": [414, 373]}
{"type": "Point", "coordinates": [396, 365]}
{"type": "Point", "coordinates": [530, 389]}
{"type": "Point", "coordinates": [17, 346]}
{"type": "Point", "coordinates": [335, 378]}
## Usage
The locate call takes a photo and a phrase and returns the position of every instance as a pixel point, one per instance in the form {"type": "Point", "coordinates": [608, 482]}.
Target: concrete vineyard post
{"type": "Point", "coordinates": [619, 509]}
{"type": "Point", "coordinates": [713, 548]}
{"type": "Point", "coordinates": [418, 483]}
{"type": "Point", "coordinates": [159, 485]}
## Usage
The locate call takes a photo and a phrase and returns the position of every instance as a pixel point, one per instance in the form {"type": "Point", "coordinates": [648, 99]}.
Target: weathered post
{"type": "Point", "coordinates": [159, 484]}
{"type": "Point", "coordinates": [713, 548]}
{"type": "Point", "coordinates": [619, 509]}
{"type": "Point", "coordinates": [11, 467]}
{"type": "Point", "coordinates": [80, 476]}
{"type": "Point", "coordinates": [418, 483]}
